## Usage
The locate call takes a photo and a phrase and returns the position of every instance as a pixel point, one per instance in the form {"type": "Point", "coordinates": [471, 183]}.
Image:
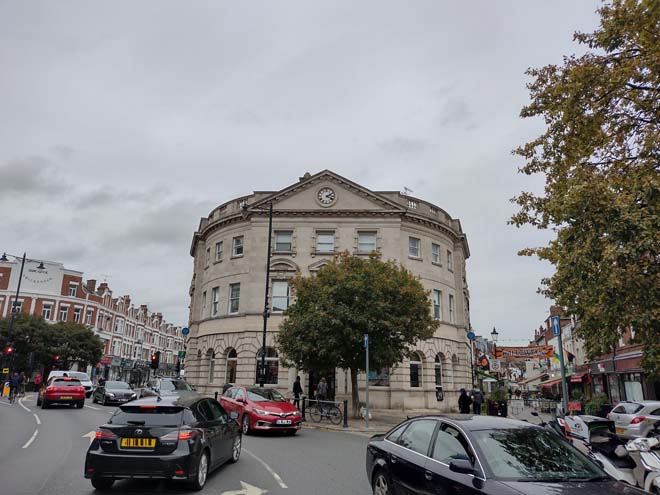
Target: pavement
{"type": "Point", "coordinates": [42, 452]}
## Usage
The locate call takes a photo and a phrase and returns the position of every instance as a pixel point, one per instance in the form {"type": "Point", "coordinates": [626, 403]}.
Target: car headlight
{"type": "Point", "coordinates": [261, 411]}
{"type": "Point", "coordinates": [133, 396]}
{"type": "Point", "coordinates": [110, 394]}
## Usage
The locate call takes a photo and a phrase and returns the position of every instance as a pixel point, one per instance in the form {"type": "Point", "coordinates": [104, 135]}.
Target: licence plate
{"type": "Point", "coordinates": [66, 397]}
{"type": "Point", "coordinates": [283, 422]}
{"type": "Point", "coordinates": [138, 443]}
{"type": "Point", "coordinates": [620, 431]}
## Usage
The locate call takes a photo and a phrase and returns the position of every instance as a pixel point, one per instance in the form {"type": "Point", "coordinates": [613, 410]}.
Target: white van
{"type": "Point", "coordinates": [83, 377]}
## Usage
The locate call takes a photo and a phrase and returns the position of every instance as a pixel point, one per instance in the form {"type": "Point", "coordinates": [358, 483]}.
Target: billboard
{"type": "Point", "coordinates": [532, 352]}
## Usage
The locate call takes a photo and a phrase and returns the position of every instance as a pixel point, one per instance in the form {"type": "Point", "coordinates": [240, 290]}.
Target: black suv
{"type": "Point", "coordinates": [166, 386]}
{"type": "Point", "coordinates": [177, 437]}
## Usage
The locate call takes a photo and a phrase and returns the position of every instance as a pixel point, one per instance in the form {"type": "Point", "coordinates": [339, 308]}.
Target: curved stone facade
{"type": "Point", "coordinates": [314, 219]}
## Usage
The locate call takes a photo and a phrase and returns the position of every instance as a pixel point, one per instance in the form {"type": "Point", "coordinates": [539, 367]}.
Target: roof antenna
{"type": "Point", "coordinates": [407, 191]}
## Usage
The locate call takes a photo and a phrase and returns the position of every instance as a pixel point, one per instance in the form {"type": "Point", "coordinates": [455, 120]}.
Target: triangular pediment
{"type": "Point", "coordinates": [327, 191]}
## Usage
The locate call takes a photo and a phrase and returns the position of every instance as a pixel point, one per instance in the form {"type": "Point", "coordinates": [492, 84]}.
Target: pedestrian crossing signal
{"type": "Point", "coordinates": [155, 360]}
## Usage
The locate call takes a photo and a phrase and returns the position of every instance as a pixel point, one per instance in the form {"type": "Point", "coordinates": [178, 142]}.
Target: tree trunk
{"type": "Point", "coordinates": [355, 393]}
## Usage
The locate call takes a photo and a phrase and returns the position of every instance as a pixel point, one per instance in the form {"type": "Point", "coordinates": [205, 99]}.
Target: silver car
{"type": "Point", "coordinates": [634, 419]}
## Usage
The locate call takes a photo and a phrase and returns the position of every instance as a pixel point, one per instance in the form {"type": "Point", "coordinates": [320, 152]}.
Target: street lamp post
{"type": "Point", "coordinates": [266, 314]}
{"type": "Point", "coordinates": [14, 306]}
{"type": "Point", "coordinates": [493, 336]}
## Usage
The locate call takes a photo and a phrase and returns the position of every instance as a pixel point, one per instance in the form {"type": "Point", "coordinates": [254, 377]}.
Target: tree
{"type": "Point", "coordinates": [349, 297]}
{"type": "Point", "coordinates": [600, 155]}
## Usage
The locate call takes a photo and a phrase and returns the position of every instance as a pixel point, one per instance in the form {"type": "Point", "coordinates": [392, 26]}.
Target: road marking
{"type": "Point", "coordinates": [92, 407]}
{"type": "Point", "coordinates": [91, 435]}
{"type": "Point", "coordinates": [20, 403]}
{"type": "Point", "coordinates": [246, 489]}
{"type": "Point", "coordinates": [29, 442]}
{"type": "Point", "coordinates": [268, 468]}
{"type": "Point", "coordinates": [37, 418]}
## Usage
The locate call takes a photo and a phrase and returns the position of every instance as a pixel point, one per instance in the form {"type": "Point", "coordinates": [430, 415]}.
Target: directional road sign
{"type": "Point", "coordinates": [556, 329]}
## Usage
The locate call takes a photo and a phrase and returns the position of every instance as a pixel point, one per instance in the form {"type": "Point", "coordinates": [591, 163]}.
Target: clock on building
{"type": "Point", "coordinates": [326, 196]}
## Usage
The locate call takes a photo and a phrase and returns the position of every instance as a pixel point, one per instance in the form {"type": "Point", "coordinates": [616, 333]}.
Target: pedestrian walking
{"type": "Point", "coordinates": [464, 402]}
{"type": "Point", "coordinates": [477, 400]}
{"type": "Point", "coordinates": [518, 392]}
{"type": "Point", "coordinates": [297, 392]}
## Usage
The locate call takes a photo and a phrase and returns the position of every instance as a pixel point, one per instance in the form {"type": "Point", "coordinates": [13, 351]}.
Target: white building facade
{"type": "Point", "coordinates": [315, 219]}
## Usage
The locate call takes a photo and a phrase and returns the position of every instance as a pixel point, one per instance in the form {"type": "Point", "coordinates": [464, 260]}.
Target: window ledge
{"type": "Point", "coordinates": [436, 263]}
{"type": "Point", "coordinates": [416, 258]}
{"type": "Point", "coordinates": [290, 253]}
{"type": "Point", "coordinates": [216, 262]}
{"type": "Point", "coordinates": [233, 256]}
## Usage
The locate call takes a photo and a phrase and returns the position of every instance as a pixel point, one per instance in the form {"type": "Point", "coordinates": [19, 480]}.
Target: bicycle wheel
{"type": "Point", "coordinates": [315, 413]}
{"type": "Point", "coordinates": [334, 415]}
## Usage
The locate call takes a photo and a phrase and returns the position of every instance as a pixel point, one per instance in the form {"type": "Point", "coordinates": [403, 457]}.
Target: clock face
{"type": "Point", "coordinates": [326, 196]}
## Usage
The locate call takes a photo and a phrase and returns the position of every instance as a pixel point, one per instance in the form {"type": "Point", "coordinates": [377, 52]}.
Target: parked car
{"type": "Point", "coordinates": [83, 377]}
{"type": "Point", "coordinates": [175, 438]}
{"type": "Point", "coordinates": [481, 455]}
{"type": "Point", "coordinates": [113, 391]}
{"type": "Point", "coordinates": [61, 390]}
{"type": "Point", "coordinates": [634, 419]}
{"type": "Point", "coordinates": [166, 386]}
{"type": "Point", "coordinates": [262, 409]}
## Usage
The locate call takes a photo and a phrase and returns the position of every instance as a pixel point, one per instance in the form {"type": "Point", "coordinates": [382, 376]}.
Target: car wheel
{"type": "Point", "coordinates": [102, 483]}
{"type": "Point", "coordinates": [381, 484]}
{"type": "Point", "coordinates": [291, 432]}
{"type": "Point", "coordinates": [44, 404]}
{"type": "Point", "coordinates": [245, 425]}
{"type": "Point", "coordinates": [38, 401]}
{"type": "Point", "coordinates": [202, 472]}
{"type": "Point", "coordinates": [80, 404]}
{"type": "Point", "coordinates": [236, 449]}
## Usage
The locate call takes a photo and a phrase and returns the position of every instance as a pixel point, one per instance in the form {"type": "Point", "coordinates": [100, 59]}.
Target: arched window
{"type": "Point", "coordinates": [438, 369]}
{"type": "Point", "coordinates": [272, 366]}
{"type": "Point", "coordinates": [230, 369]}
{"type": "Point", "coordinates": [210, 359]}
{"type": "Point", "coordinates": [415, 369]}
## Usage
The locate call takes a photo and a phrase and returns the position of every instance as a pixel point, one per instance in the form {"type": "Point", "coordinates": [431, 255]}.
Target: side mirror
{"type": "Point", "coordinates": [461, 466]}
{"type": "Point", "coordinates": [233, 415]}
{"type": "Point", "coordinates": [241, 400]}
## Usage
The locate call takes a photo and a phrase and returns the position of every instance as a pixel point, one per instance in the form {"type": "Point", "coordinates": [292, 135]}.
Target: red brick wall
{"type": "Point", "coordinates": [5, 272]}
{"type": "Point", "coordinates": [66, 279]}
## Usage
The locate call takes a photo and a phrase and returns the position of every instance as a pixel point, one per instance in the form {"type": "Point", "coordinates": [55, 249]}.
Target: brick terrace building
{"type": "Point", "coordinates": [130, 334]}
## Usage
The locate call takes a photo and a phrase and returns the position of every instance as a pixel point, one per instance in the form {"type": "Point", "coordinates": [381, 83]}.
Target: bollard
{"type": "Point", "coordinates": [216, 395]}
{"type": "Point", "coordinates": [345, 414]}
{"type": "Point", "coordinates": [304, 402]}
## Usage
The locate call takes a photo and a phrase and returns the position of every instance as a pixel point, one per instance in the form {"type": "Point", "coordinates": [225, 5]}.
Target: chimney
{"type": "Point", "coordinates": [103, 286]}
{"type": "Point", "coordinates": [91, 286]}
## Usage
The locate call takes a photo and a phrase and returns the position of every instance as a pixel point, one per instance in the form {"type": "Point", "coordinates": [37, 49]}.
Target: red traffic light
{"type": "Point", "coordinates": [154, 357]}
{"type": "Point", "coordinates": [56, 358]}
{"type": "Point", "coordinates": [9, 349]}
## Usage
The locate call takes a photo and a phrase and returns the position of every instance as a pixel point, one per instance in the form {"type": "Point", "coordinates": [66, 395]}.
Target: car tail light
{"type": "Point", "coordinates": [105, 435]}
{"type": "Point", "coordinates": [148, 407]}
{"type": "Point", "coordinates": [179, 472]}
{"type": "Point", "coordinates": [179, 435]}
{"type": "Point", "coordinates": [637, 420]}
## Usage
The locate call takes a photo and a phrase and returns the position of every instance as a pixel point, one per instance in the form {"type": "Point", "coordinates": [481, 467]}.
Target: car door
{"type": "Point", "coordinates": [240, 400]}
{"type": "Point", "coordinates": [450, 444]}
{"type": "Point", "coordinates": [227, 400]}
{"type": "Point", "coordinates": [407, 458]}
{"type": "Point", "coordinates": [206, 422]}
{"type": "Point", "coordinates": [224, 439]}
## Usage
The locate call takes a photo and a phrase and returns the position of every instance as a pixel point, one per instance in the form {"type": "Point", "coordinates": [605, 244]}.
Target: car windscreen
{"type": "Point", "coordinates": [148, 416]}
{"type": "Point", "coordinates": [117, 385]}
{"type": "Point", "coordinates": [83, 377]}
{"type": "Point", "coordinates": [61, 382]}
{"type": "Point", "coordinates": [265, 395]}
{"type": "Point", "coordinates": [530, 454]}
{"type": "Point", "coordinates": [170, 385]}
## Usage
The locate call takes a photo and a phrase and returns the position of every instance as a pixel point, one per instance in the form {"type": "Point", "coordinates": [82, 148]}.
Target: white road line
{"type": "Point", "coordinates": [92, 407]}
{"type": "Point", "coordinates": [37, 418]}
{"type": "Point", "coordinates": [20, 403]}
{"type": "Point", "coordinates": [268, 468]}
{"type": "Point", "coordinates": [29, 442]}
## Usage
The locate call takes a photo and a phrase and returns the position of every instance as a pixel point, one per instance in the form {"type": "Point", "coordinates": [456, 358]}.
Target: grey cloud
{"type": "Point", "coordinates": [29, 175]}
{"type": "Point", "coordinates": [455, 112]}
{"type": "Point", "coordinates": [403, 146]}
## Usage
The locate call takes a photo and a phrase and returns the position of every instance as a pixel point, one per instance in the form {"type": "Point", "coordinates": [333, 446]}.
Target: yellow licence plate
{"type": "Point", "coordinates": [138, 443]}
{"type": "Point", "coordinates": [66, 397]}
{"type": "Point", "coordinates": [620, 431]}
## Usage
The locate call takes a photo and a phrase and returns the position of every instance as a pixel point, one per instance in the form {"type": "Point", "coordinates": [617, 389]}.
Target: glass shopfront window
{"type": "Point", "coordinates": [615, 392]}
{"type": "Point", "coordinates": [379, 377]}
{"type": "Point", "coordinates": [632, 385]}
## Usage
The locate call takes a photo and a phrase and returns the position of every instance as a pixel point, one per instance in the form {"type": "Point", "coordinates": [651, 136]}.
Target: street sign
{"type": "Point", "coordinates": [495, 365]}
{"type": "Point", "coordinates": [366, 340]}
{"type": "Point", "coordinates": [556, 329]}
{"type": "Point", "coordinates": [185, 331]}
{"type": "Point", "coordinates": [471, 336]}
{"type": "Point", "coordinates": [181, 354]}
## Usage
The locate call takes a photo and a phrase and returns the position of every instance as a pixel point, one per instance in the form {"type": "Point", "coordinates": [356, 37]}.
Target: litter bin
{"type": "Point", "coordinates": [439, 393]}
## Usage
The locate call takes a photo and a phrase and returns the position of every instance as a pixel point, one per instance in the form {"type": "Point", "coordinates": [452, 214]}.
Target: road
{"type": "Point", "coordinates": [43, 452]}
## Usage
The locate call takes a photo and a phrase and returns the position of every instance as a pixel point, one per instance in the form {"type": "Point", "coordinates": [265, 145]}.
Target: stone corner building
{"type": "Point", "coordinates": [314, 219]}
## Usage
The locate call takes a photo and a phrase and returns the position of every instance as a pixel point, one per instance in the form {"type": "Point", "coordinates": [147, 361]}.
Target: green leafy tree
{"type": "Point", "coordinates": [347, 298]}
{"type": "Point", "coordinates": [600, 155]}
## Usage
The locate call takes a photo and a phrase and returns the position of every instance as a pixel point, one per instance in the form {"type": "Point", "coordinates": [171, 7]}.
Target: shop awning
{"type": "Point", "coordinates": [550, 383]}
{"type": "Point", "coordinates": [578, 377]}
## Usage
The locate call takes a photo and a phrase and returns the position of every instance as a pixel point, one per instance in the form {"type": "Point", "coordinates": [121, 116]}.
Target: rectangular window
{"type": "Point", "coordinates": [64, 313]}
{"type": "Point", "coordinates": [218, 251]}
{"type": "Point", "coordinates": [215, 296]}
{"type": "Point", "coordinates": [280, 295]}
{"type": "Point", "coordinates": [379, 377]}
{"type": "Point", "coordinates": [366, 242]}
{"type": "Point", "coordinates": [450, 261]}
{"type": "Point", "coordinates": [435, 254]}
{"type": "Point", "coordinates": [73, 288]}
{"type": "Point", "coordinates": [437, 305]}
{"type": "Point", "coordinates": [284, 241]}
{"type": "Point", "coordinates": [203, 304]}
{"type": "Point", "coordinates": [88, 316]}
{"type": "Point", "coordinates": [234, 297]}
{"type": "Point", "coordinates": [76, 314]}
{"type": "Point", "coordinates": [208, 257]}
{"type": "Point", "coordinates": [237, 246]}
{"type": "Point", "coordinates": [325, 242]}
{"type": "Point", "coordinates": [413, 247]}
{"type": "Point", "coordinates": [46, 311]}
{"type": "Point", "coordinates": [451, 309]}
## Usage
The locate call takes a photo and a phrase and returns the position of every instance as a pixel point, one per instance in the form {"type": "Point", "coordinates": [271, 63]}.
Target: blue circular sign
{"type": "Point", "coordinates": [470, 335]}
{"type": "Point", "coordinates": [185, 331]}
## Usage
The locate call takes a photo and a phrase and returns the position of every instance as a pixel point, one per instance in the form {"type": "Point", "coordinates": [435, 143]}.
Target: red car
{"type": "Point", "coordinates": [62, 390]}
{"type": "Point", "coordinates": [262, 409]}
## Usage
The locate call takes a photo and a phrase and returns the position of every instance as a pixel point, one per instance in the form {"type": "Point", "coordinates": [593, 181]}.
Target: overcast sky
{"type": "Point", "coordinates": [122, 123]}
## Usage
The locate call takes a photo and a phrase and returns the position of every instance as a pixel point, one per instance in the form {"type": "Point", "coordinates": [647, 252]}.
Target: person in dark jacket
{"type": "Point", "coordinates": [297, 392]}
{"type": "Point", "coordinates": [464, 402]}
{"type": "Point", "coordinates": [477, 400]}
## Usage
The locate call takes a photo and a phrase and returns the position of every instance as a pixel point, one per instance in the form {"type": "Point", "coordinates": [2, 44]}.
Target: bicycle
{"type": "Point", "coordinates": [318, 411]}
{"type": "Point", "coordinates": [13, 392]}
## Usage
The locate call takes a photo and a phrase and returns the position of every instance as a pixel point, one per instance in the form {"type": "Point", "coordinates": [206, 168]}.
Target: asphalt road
{"type": "Point", "coordinates": [51, 461]}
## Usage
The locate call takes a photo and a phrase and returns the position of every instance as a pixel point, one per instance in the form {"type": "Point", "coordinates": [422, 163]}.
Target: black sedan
{"type": "Point", "coordinates": [176, 438]}
{"type": "Point", "coordinates": [468, 455]}
{"type": "Point", "coordinates": [112, 391]}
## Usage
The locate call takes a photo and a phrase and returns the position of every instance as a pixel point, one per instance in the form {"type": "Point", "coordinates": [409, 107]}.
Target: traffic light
{"type": "Point", "coordinates": [155, 360]}
{"type": "Point", "coordinates": [56, 358]}
{"type": "Point", "coordinates": [10, 350]}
